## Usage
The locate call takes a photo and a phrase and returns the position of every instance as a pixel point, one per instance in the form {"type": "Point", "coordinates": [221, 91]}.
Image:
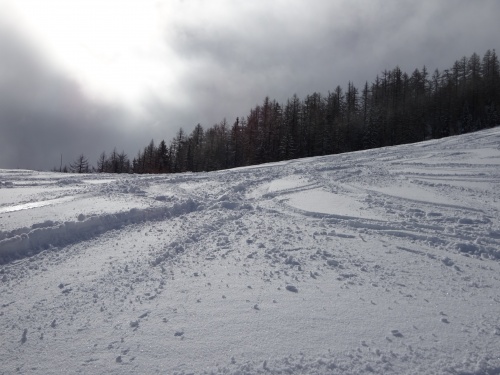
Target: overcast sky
{"type": "Point", "coordinates": [85, 76]}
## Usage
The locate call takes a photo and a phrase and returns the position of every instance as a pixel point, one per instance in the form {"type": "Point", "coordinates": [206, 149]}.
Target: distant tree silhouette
{"type": "Point", "coordinates": [396, 108]}
{"type": "Point", "coordinates": [80, 165]}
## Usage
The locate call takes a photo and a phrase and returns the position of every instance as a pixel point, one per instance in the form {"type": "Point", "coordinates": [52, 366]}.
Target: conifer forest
{"type": "Point", "coordinates": [396, 108]}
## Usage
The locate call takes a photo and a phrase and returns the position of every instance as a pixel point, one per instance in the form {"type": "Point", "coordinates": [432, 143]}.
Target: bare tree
{"type": "Point", "coordinates": [80, 165]}
{"type": "Point", "coordinates": [101, 163]}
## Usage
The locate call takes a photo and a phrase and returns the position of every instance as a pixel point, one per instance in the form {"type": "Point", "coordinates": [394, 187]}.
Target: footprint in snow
{"type": "Point", "coordinates": [396, 333]}
{"type": "Point", "coordinates": [24, 337]}
{"type": "Point", "coordinates": [292, 288]}
{"type": "Point", "coordinates": [447, 262]}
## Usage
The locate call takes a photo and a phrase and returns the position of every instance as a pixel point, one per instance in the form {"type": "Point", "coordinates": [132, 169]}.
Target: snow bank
{"type": "Point", "coordinates": [24, 242]}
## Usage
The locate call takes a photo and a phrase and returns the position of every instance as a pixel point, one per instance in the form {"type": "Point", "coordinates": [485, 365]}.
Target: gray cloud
{"type": "Point", "coordinates": [232, 55]}
{"type": "Point", "coordinates": [302, 47]}
{"type": "Point", "coordinates": [44, 114]}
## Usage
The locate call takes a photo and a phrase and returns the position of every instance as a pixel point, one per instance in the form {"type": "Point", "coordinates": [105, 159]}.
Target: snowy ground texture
{"type": "Point", "coordinates": [378, 262]}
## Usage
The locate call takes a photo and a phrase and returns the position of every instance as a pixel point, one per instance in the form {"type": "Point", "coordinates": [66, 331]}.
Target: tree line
{"type": "Point", "coordinates": [396, 108]}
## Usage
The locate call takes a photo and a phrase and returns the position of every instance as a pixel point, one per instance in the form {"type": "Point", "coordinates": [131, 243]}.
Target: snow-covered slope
{"type": "Point", "coordinates": [378, 262]}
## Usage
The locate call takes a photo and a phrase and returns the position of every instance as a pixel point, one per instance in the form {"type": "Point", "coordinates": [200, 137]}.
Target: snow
{"type": "Point", "coordinates": [384, 261]}
{"type": "Point", "coordinates": [320, 201]}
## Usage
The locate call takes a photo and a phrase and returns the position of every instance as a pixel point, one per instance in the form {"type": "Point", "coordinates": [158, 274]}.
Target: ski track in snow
{"type": "Point", "coordinates": [383, 261]}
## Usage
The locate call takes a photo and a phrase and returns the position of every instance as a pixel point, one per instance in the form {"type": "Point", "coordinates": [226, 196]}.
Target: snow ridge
{"type": "Point", "coordinates": [27, 242]}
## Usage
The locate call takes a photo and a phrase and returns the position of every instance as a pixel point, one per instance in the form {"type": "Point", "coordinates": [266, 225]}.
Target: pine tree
{"type": "Point", "coordinates": [162, 160]}
{"type": "Point", "coordinates": [197, 141]}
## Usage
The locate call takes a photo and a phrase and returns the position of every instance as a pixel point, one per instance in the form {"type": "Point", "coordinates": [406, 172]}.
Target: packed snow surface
{"type": "Point", "coordinates": [385, 261]}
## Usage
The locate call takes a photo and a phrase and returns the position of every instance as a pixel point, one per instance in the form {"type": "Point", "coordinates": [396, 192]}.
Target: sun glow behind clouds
{"type": "Point", "coordinates": [115, 49]}
{"type": "Point", "coordinates": [130, 50]}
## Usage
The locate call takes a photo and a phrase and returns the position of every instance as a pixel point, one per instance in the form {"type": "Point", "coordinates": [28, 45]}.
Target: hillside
{"type": "Point", "coordinates": [384, 261]}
